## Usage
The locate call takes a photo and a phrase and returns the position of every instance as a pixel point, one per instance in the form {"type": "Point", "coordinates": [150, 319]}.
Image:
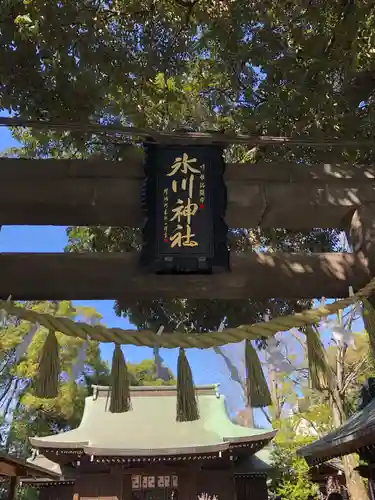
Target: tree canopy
{"type": "Point", "coordinates": [225, 63]}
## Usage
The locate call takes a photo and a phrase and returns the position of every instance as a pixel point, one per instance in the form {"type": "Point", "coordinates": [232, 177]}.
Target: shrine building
{"type": "Point", "coordinates": [145, 454]}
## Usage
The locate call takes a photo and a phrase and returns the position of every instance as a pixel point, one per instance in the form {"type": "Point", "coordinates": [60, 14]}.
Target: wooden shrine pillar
{"type": "Point", "coordinates": [217, 482]}
{"type": "Point", "coordinates": [104, 486]}
{"type": "Point", "coordinates": [361, 236]}
{"type": "Point", "coordinates": [126, 487]}
{"type": "Point", "coordinates": [188, 484]}
{"type": "Point", "coordinates": [12, 488]}
{"type": "Point", "coordinates": [251, 487]}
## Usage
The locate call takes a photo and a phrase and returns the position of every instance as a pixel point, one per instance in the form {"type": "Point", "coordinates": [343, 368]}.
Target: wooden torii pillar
{"type": "Point", "coordinates": [361, 236]}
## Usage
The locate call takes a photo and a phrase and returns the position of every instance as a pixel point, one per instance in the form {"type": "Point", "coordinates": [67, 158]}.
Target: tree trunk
{"type": "Point", "coordinates": [354, 481]}
{"type": "Point", "coordinates": [356, 486]}
{"type": "Point", "coordinates": [275, 396]}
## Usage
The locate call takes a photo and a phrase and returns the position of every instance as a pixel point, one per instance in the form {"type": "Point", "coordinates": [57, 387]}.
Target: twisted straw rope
{"type": "Point", "coordinates": [148, 338]}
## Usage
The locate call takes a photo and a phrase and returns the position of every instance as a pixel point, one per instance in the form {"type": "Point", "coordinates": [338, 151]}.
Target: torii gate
{"type": "Point", "coordinates": [266, 195]}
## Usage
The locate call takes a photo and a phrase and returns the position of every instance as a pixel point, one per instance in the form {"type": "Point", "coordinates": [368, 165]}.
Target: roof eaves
{"type": "Point", "coordinates": [267, 436]}
{"type": "Point", "coordinates": [48, 442]}
{"type": "Point", "coordinates": [28, 468]}
{"type": "Point", "coordinates": [328, 453]}
{"type": "Point", "coordinates": [343, 440]}
{"type": "Point", "coordinates": [187, 450]}
{"type": "Point", "coordinates": [345, 445]}
{"type": "Point", "coordinates": [46, 482]}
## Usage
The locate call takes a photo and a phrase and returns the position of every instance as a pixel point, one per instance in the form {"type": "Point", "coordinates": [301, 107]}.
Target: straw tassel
{"type": "Point", "coordinates": [187, 405]}
{"type": "Point", "coordinates": [47, 379]}
{"type": "Point", "coordinates": [368, 315]}
{"type": "Point", "coordinates": [120, 393]}
{"type": "Point", "coordinates": [319, 369]}
{"type": "Point", "coordinates": [258, 393]}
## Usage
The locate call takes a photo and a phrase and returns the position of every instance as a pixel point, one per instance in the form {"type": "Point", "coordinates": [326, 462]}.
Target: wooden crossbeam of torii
{"type": "Point", "coordinates": [100, 276]}
{"type": "Point", "coordinates": [269, 195]}
{"type": "Point", "coordinates": [99, 192]}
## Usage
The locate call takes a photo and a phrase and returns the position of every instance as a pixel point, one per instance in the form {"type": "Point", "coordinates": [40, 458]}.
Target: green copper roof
{"type": "Point", "coordinates": [150, 428]}
{"type": "Point", "coordinates": [357, 432]}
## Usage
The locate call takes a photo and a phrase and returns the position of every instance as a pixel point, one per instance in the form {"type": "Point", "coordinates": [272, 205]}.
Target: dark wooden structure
{"type": "Point", "coordinates": [145, 454]}
{"type": "Point", "coordinates": [12, 469]}
{"type": "Point", "coordinates": [328, 476]}
{"type": "Point", "coordinates": [98, 192]}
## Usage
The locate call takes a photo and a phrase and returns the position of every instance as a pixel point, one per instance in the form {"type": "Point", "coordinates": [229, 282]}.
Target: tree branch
{"type": "Point", "coordinates": [264, 411]}
{"type": "Point", "coordinates": [349, 379]}
{"type": "Point", "coordinates": [294, 334]}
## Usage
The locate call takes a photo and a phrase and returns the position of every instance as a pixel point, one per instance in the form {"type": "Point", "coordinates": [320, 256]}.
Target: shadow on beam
{"type": "Point", "coordinates": [97, 192]}
{"type": "Point", "coordinates": [100, 276]}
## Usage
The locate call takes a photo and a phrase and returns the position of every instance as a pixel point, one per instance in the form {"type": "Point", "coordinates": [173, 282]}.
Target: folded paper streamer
{"type": "Point", "coordinates": [339, 333]}
{"type": "Point", "coordinates": [276, 358]}
{"type": "Point", "coordinates": [3, 318]}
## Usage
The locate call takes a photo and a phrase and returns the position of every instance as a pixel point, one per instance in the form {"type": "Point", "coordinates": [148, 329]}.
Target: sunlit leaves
{"type": "Point", "coordinates": [293, 481]}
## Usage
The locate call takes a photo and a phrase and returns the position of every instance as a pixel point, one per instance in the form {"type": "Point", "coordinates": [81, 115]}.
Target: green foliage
{"type": "Point", "coordinates": [21, 493]}
{"type": "Point", "coordinates": [314, 411]}
{"type": "Point", "coordinates": [145, 373]}
{"type": "Point", "coordinates": [27, 494]}
{"type": "Point", "coordinates": [293, 481]}
{"type": "Point", "coordinates": [321, 411]}
{"type": "Point", "coordinates": [276, 68]}
{"type": "Point", "coordinates": [30, 415]}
